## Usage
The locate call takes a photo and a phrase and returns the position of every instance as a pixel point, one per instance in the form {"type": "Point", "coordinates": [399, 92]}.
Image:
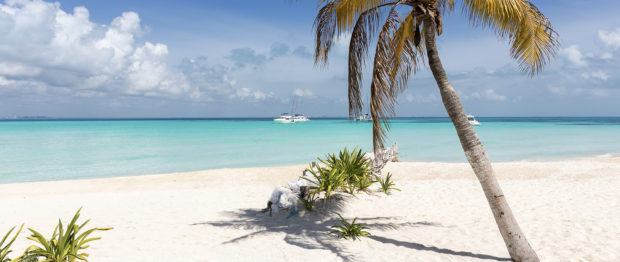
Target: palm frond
{"type": "Point", "coordinates": [325, 24]}
{"type": "Point", "coordinates": [348, 11]}
{"type": "Point", "coordinates": [358, 51]}
{"type": "Point", "coordinates": [339, 16]}
{"type": "Point", "coordinates": [408, 52]}
{"type": "Point", "coordinates": [381, 99]}
{"type": "Point", "coordinates": [534, 42]}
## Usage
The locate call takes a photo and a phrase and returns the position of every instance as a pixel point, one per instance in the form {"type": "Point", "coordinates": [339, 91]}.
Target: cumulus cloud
{"type": "Point", "coordinates": [249, 94]}
{"type": "Point", "coordinates": [596, 74]}
{"type": "Point", "coordinates": [302, 51]}
{"type": "Point", "coordinates": [573, 55]}
{"type": "Point", "coordinates": [428, 98]}
{"type": "Point", "coordinates": [610, 38]}
{"type": "Point", "coordinates": [47, 50]}
{"type": "Point", "coordinates": [66, 51]}
{"type": "Point", "coordinates": [278, 49]}
{"type": "Point", "coordinates": [246, 56]}
{"type": "Point", "coordinates": [488, 94]}
{"type": "Point", "coordinates": [302, 92]}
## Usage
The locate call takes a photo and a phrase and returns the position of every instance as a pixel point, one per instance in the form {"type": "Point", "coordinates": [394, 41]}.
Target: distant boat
{"type": "Point", "coordinates": [472, 120]}
{"type": "Point", "coordinates": [287, 118]}
{"type": "Point", "coordinates": [365, 117]}
{"type": "Point", "coordinates": [300, 118]}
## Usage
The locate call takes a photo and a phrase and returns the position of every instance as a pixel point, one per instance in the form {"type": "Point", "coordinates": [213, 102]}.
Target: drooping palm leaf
{"type": "Point", "coordinates": [358, 51]}
{"type": "Point", "coordinates": [533, 40]}
{"type": "Point", "coordinates": [339, 16]}
{"type": "Point", "coordinates": [381, 99]}
{"type": "Point", "coordinates": [408, 52]}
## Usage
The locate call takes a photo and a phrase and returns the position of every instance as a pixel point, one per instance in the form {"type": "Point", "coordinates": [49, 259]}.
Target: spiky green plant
{"type": "Point", "coordinates": [327, 180]}
{"type": "Point", "coordinates": [353, 165]}
{"type": "Point", "coordinates": [350, 230]}
{"type": "Point", "coordinates": [5, 249]}
{"type": "Point", "coordinates": [66, 244]}
{"type": "Point", "coordinates": [387, 184]}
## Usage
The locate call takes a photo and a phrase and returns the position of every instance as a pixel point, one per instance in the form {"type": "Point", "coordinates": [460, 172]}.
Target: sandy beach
{"type": "Point", "coordinates": [569, 210]}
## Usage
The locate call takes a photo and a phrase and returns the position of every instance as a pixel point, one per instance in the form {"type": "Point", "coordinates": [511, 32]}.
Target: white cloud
{"type": "Point", "coordinates": [600, 75]}
{"type": "Point", "coordinates": [607, 56]}
{"type": "Point", "coordinates": [596, 74]}
{"type": "Point", "coordinates": [557, 90]}
{"type": "Point", "coordinates": [573, 55]}
{"type": "Point", "coordinates": [488, 94]}
{"type": "Point", "coordinates": [69, 53]}
{"type": "Point", "coordinates": [429, 98]}
{"type": "Point", "coordinates": [18, 69]}
{"type": "Point", "coordinates": [610, 38]}
{"type": "Point", "coordinates": [249, 94]}
{"type": "Point", "coordinates": [302, 92]}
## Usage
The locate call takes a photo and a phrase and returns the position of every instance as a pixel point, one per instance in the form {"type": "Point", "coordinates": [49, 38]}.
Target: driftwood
{"type": "Point", "coordinates": [389, 154]}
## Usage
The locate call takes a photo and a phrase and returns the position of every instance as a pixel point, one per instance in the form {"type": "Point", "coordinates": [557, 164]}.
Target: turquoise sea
{"type": "Point", "coordinates": [58, 149]}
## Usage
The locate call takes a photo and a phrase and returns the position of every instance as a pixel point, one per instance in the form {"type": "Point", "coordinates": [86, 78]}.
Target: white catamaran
{"type": "Point", "coordinates": [287, 118]}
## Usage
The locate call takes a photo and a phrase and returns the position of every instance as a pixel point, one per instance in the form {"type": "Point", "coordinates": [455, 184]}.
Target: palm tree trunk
{"type": "Point", "coordinates": [518, 247]}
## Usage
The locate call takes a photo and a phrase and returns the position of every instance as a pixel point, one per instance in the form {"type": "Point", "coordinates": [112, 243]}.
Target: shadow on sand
{"type": "Point", "coordinates": [309, 229]}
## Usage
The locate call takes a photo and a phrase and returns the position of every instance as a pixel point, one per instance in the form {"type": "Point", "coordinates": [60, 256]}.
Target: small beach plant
{"type": "Point", "coordinates": [387, 184]}
{"type": "Point", "coordinates": [326, 180]}
{"type": "Point", "coordinates": [364, 182]}
{"type": "Point", "coordinates": [352, 163]}
{"type": "Point", "coordinates": [350, 230]}
{"type": "Point", "coordinates": [66, 244]}
{"type": "Point", "coordinates": [5, 248]}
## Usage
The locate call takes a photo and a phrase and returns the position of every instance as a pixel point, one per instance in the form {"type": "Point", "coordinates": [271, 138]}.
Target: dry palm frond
{"type": "Point", "coordinates": [338, 16]}
{"type": "Point", "coordinates": [348, 11]}
{"type": "Point", "coordinates": [358, 50]}
{"type": "Point", "coordinates": [445, 5]}
{"type": "Point", "coordinates": [325, 24]}
{"type": "Point", "coordinates": [381, 98]}
{"type": "Point", "coordinates": [534, 42]}
{"type": "Point", "coordinates": [407, 52]}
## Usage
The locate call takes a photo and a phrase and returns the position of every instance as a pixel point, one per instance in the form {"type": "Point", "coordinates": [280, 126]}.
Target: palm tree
{"type": "Point", "coordinates": [406, 34]}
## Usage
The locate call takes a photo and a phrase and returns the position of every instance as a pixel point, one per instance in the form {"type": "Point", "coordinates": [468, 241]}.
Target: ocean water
{"type": "Point", "coordinates": [56, 149]}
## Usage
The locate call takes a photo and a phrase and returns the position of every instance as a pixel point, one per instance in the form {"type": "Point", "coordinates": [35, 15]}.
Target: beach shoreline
{"type": "Point", "coordinates": [566, 208]}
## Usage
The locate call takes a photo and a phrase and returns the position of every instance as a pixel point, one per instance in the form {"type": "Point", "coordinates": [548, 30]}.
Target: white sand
{"type": "Point", "coordinates": [569, 210]}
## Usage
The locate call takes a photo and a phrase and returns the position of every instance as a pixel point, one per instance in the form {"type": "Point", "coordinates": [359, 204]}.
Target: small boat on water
{"type": "Point", "coordinates": [365, 117]}
{"type": "Point", "coordinates": [285, 118]}
{"type": "Point", "coordinates": [472, 120]}
{"type": "Point", "coordinates": [300, 118]}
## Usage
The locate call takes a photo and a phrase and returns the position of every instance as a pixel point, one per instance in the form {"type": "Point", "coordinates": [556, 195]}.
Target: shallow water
{"type": "Point", "coordinates": [81, 148]}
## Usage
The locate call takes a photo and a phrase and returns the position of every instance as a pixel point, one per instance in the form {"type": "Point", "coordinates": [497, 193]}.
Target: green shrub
{"type": "Point", "coordinates": [65, 244]}
{"type": "Point", "coordinates": [327, 179]}
{"type": "Point", "coordinates": [387, 184]}
{"type": "Point", "coordinates": [5, 248]}
{"type": "Point", "coordinates": [352, 164]}
{"type": "Point", "coordinates": [348, 230]}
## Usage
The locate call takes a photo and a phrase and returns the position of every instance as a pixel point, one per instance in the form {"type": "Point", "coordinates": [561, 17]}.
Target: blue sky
{"type": "Point", "coordinates": [249, 58]}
